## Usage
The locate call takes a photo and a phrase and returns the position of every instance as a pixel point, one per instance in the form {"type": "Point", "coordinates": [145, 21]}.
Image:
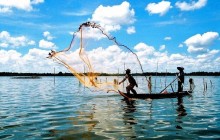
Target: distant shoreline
{"type": "Point", "coordinates": [106, 74]}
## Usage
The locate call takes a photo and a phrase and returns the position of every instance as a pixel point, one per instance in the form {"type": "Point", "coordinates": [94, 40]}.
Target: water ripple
{"type": "Point", "coordinates": [38, 109]}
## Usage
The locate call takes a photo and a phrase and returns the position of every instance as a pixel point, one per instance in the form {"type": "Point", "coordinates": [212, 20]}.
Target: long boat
{"type": "Point", "coordinates": [155, 95]}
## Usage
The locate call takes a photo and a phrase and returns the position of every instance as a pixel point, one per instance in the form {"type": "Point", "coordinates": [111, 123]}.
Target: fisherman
{"type": "Point", "coordinates": [132, 82]}
{"type": "Point", "coordinates": [180, 79]}
{"type": "Point", "coordinates": [191, 84]}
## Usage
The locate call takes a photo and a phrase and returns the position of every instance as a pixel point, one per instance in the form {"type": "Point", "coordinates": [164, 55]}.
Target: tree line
{"type": "Point", "coordinates": [112, 74]}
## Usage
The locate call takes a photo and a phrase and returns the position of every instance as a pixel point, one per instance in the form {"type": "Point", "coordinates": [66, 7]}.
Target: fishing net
{"type": "Point", "coordinates": [96, 59]}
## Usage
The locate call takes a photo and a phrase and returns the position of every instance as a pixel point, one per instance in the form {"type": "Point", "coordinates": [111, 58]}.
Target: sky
{"type": "Point", "coordinates": [163, 33]}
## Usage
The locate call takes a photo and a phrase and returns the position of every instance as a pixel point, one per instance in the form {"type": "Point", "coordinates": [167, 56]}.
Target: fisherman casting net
{"type": "Point", "coordinates": [96, 59]}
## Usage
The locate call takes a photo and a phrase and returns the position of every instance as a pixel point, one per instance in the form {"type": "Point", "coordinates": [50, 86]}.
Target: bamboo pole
{"type": "Point", "coordinates": [168, 85]}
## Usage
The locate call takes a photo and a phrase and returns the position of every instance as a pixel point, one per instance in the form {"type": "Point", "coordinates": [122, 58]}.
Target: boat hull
{"type": "Point", "coordinates": [156, 95]}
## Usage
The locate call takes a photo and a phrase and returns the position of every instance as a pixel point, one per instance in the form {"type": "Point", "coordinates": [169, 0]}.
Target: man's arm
{"type": "Point", "coordinates": [123, 80]}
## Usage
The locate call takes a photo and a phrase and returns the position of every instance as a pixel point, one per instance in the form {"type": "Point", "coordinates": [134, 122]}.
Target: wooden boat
{"type": "Point", "coordinates": [155, 95]}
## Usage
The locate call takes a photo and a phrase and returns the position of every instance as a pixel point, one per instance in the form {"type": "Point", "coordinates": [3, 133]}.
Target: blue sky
{"type": "Point", "coordinates": [170, 32]}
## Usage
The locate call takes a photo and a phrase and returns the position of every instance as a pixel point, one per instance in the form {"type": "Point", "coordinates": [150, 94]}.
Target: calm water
{"type": "Point", "coordinates": [38, 109]}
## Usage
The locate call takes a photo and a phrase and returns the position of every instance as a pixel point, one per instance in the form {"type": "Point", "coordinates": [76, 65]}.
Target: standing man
{"type": "Point", "coordinates": [131, 81]}
{"type": "Point", "coordinates": [180, 79]}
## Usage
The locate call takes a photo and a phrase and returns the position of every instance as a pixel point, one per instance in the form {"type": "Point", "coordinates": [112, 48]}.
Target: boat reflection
{"type": "Point", "coordinates": [181, 109]}
{"type": "Point", "coordinates": [129, 110]}
{"type": "Point", "coordinates": [181, 112]}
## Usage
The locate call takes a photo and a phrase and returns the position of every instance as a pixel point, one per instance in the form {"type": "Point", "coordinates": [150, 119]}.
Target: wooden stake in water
{"type": "Point", "coordinates": [149, 85]}
{"type": "Point", "coordinates": [124, 70]}
{"type": "Point", "coordinates": [166, 79]}
{"type": "Point", "coordinates": [117, 81]}
{"type": "Point", "coordinates": [155, 84]}
{"type": "Point", "coordinates": [84, 76]}
{"type": "Point", "coordinates": [54, 76]}
{"type": "Point", "coordinates": [136, 77]}
{"type": "Point", "coordinates": [205, 85]}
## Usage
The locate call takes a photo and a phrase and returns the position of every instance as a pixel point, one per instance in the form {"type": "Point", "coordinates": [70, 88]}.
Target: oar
{"type": "Point", "coordinates": [168, 85]}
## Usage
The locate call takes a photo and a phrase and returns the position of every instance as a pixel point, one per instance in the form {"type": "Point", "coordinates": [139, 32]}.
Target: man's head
{"type": "Point", "coordinates": [128, 71]}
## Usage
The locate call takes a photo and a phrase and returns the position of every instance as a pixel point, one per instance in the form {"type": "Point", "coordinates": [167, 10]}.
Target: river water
{"type": "Point", "coordinates": [64, 109]}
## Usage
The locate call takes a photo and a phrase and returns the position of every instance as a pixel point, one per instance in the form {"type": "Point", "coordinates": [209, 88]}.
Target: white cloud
{"type": "Point", "coordinates": [211, 53]}
{"type": "Point", "coordinates": [140, 47]}
{"type": "Point", "coordinates": [35, 53]}
{"type": "Point", "coordinates": [159, 8]}
{"type": "Point", "coordinates": [167, 38]}
{"type": "Point", "coordinates": [110, 59]}
{"type": "Point", "coordinates": [48, 35]}
{"type": "Point", "coordinates": [144, 51]}
{"type": "Point", "coordinates": [46, 44]}
{"type": "Point", "coordinates": [176, 57]}
{"type": "Point", "coordinates": [200, 43]}
{"type": "Point", "coordinates": [131, 30]}
{"type": "Point", "coordinates": [26, 5]}
{"type": "Point", "coordinates": [90, 33]}
{"type": "Point", "coordinates": [180, 45]}
{"type": "Point", "coordinates": [6, 40]}
{"type": "Point", "coordinates": [77, 13]}
{"type": "Point", "coordinates": [3, 45]}
{"type": "Point", "coordinates": [31, 42]}
{"type": "Point", "coordinates": [114, 16]}
{"type": "Point", "coordinates": [184, 6]}
{"type": "Point", "coordinates": [34, 61]}
{"type": "Point", "coordinates": [8, 56]}
{"type": "Point", "coordinates": [109, 28]}
{"type": "Point", "coordinates": [102, 59]}
{"type": "Point", "coordinates": [114, 58]}
{"type": "Point", "coordinates": [5, 10]}
{"type": "Point", "coordinates": [113, 49]}
{"type": "Point", "coordinates": [37, 1]}
{"type": "Point", "coordinates": [162, 47]}
{"type": "Point", "coordinates": [171, 22]}
{"type": "Point", "coordinates": [217, 60]}
{"type": "Point", "coordinates": [111, 18]}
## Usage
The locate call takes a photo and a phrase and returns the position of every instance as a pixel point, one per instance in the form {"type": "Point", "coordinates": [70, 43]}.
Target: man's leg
{"type": "Point", "coordinates": [179, 86]}
{"type": "Point", "coordinates": [133, 91]}
{"type": "Point", "coordinates": [128, 89]}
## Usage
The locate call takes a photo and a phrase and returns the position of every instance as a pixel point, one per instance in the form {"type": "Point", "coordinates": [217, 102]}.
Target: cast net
{"type": "Point", "coordinates": [96, 59]}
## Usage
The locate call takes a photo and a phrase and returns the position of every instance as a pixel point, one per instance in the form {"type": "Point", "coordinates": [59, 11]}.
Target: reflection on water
{"type": "Point", "coordinates": [38, 109]}
{"type": "Point", "coordinates": [181, 112]}
{"type": "Point", "coordinates": [129, 109]}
